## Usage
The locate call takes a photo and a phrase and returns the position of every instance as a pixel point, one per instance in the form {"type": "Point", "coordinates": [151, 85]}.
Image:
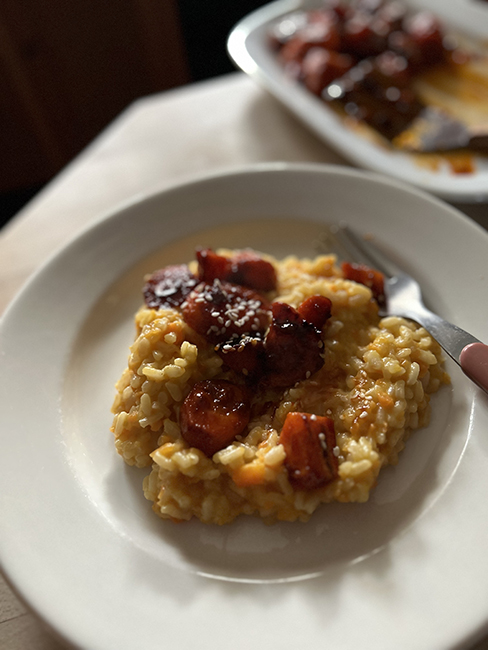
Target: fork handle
{"type": "Point", "coordinates": [465, 349]}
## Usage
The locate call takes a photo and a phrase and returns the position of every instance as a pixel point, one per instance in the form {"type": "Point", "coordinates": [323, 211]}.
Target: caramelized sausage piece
{"type": "Point", "coordinates": [376, 91]}
{"type": "Point", "coordinates": [245, 355]}
{"type": "Point", "coordinates": [424, 35]}
{"type": "Point", "coordinates": [223, 310]}
{"type": "Point", "coordinates": [320, 67]}
{"type": "Point", "coordinates": [213, 414]}
{"type": "Point", "coordinates": [369, 277]}
{"type": "Point", "coordinates": [245, 268]}
{"type": "Point", "coordinates": [321, 29]}
{"type": "Point", "coordinates": [364, 34]}
{"type": "Point", "coordinates": [168, 287]}
{"type": "Point", "coordinates": [252, 271]}
{"type": "Point", "coordinates": [293, 347]}
{"type": "Point", "coordinates": [316, 310]}
{"type": "Point", "coordinates": [309, 442]}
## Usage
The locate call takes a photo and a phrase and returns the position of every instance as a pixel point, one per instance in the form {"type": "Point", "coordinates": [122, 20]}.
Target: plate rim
{"type": "Point", "coordinates": [250, 168]}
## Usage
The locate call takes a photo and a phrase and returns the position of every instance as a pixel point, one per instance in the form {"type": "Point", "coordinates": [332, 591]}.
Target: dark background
{"type": "Point", "coordinates": [58, 56]}
{"type": "Point", "coordinates": [206, 25]}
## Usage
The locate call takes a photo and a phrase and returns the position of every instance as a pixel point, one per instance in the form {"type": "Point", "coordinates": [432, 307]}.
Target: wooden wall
{"type": "Point", "coordinates": [68, 67]}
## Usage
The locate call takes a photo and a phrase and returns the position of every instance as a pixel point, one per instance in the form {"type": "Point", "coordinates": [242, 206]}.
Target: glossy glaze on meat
{"type": "Point", "coordinates": [294, 347]}
{"type": "Point", "coordinates": [168, 287]}
{"type": "Point", "coordinates": [367, 276]}
{"type": "Point", "coordinates": [244, 268]}
{"type": "Point", "coordinates": [222, 310]}
{"type": "Point", "coordinates": [213, 414]}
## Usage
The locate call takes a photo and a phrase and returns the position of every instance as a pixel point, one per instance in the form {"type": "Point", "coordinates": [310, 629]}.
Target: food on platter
{"type": "Point", "coordinates": [399, 71]}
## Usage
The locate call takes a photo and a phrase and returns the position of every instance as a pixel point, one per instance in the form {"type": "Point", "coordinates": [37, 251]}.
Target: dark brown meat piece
{"type": "Point", "coordinates": [293, 347]}
{"type": "Point", "coordinates": [213, 414]}
{"type": "Point", "coordinates": [369, 277]}
{"type": "Point", "coordinates": [320, 67]}
{"type": "Point", "coordinates": [423, 42]}
{"type": "Point", "coordinates": [223, 310]}
{"type": "Point", "coordinates": [365, 35]}
{"type": "Point", "coordinates": [309, 442]}
{"type": "Point", "coordinates": [322, 29]}
{"type": "Point", "coordinates": [376, 91]}
{"type": "Point", "coordinates": [316, 310]}
{"type": "Point", "coordinates": [169, 286]}
{"type": "Point", "coordinates": [245, 268]}
{"type": "Point", "coordinates": [245, 355]}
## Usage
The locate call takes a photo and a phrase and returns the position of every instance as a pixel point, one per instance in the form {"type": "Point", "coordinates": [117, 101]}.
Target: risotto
{"type": "Point", "coordinates": [265, 387]}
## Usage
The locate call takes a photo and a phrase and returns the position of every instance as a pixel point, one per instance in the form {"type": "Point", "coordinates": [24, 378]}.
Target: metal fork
{"type": "Point", "coordinates": [404, 298]}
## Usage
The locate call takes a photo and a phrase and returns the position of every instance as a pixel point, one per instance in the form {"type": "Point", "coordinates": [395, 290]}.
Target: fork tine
{"type": "Point", "coordinates": [364, 252]}
{"type": "Point", "coordinates": [334, 240]}
{"type": "Point", "coordinates": [404, 298]}
{"type": "Point", "coordinates": [350, 244]}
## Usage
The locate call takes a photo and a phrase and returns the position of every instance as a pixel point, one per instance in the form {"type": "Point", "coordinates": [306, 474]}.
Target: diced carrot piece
{"type": "Point", "coordinates": [249, 475]}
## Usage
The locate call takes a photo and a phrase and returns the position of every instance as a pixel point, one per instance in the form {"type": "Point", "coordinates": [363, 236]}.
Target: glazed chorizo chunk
{"type": "Point", "coordinates": [294, 347]}
{"type": "Point", "coordinates": [245, 268]}
{"type": "Point", "coordinates": [246, 355]}
{"type": "Point", "coordinates": [222, 310]}
{"type": "Point", "coordinates": [316, 310]}
{"type": "Point", "coordinates": [369, 277]}
{"type": "Point", "coordinates": [213, 414]}
{"type": "Point", "coordinates": [168, 287]}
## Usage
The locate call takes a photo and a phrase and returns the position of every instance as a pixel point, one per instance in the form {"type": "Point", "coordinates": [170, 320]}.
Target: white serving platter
{"type": "Point", "coordinates": [248, 47]}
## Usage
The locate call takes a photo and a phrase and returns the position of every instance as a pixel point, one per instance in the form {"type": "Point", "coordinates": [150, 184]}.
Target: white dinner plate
{"type": "Point", "coordinates": [81, 545]}
{"type": "Point", "coordinates": [248, 46]}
